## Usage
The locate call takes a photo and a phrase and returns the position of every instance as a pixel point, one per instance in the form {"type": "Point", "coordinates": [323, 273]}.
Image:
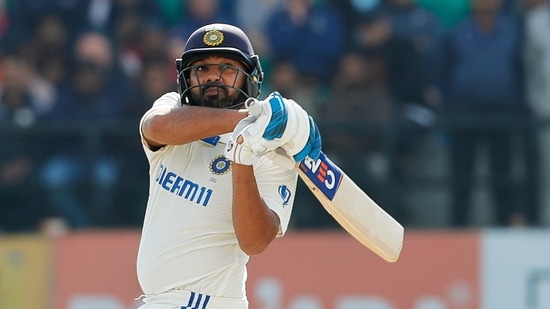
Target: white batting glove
{"type": "Point", "coordinates": [238, 149]}
{"type": "Point", "coordinates": [280, 123]}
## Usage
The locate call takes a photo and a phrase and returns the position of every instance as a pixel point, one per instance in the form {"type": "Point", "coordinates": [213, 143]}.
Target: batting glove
{"type": "Point", "coordinates": [238, 149]}
{"type": "Point", "coordinates": [279, 121]}
{"type": "Point", "coordinates": [283, 123]}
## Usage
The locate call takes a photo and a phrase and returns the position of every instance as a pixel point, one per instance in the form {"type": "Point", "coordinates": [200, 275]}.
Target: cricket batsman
{"type": "Point", "coordinates": [218, 193]}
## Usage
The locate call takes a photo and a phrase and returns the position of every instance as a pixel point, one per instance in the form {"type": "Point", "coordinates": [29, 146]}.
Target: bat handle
{"type": "Point", "coordinates": [253, 106]}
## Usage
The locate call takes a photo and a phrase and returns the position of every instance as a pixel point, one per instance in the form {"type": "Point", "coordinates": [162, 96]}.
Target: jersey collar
{"type": "Point", "coordinates": [215, 140]}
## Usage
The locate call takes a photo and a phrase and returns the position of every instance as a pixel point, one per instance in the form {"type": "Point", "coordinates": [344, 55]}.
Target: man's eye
{"type": "Point", "coordinates": [228, 68]}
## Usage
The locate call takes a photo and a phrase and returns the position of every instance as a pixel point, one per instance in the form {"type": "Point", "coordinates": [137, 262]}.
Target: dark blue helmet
{"type": "Point", "coordinates": [225, 41]}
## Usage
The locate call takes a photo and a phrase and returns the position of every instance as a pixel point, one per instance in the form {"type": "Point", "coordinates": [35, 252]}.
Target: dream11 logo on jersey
{"type": "Point", "coordinates": [323, 173]}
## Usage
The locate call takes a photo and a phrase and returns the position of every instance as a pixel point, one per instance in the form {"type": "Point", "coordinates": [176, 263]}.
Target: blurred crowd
{"type": "Point", "coordinates": [380, 77]}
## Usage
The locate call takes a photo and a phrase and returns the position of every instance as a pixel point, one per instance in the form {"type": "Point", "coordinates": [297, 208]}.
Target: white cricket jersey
{"type": "Point", "coordinates": [188, 240]}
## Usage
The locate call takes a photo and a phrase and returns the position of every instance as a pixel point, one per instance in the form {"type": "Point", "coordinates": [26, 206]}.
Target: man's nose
{"type": "Point", "coordinates": [214, 74]}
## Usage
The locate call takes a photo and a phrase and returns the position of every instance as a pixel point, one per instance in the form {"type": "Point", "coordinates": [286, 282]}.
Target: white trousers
{"type": "Point", "coordinates": [181, 299]}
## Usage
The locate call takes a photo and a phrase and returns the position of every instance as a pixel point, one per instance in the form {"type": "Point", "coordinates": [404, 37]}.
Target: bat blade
{"type": "Point", "coordinates": [352, 208]}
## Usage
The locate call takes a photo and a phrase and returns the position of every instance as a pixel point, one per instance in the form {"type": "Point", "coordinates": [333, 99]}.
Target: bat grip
{"type": "Point", "coordinates": [253, 106]}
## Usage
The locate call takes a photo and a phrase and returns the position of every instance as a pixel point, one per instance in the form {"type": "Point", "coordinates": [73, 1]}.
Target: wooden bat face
{"type": "Point", "coordinates": [352, 208]}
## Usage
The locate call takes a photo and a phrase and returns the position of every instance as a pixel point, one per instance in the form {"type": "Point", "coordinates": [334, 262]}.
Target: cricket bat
{"type": "Point", "coordinates": [352, 208]}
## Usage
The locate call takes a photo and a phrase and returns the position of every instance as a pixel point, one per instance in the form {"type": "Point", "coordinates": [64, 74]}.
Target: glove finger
{"type": "Point", "coordinates": [276, 129]}
{"type": "Point", "coordinates": [272, 113]}
{"type": "Point", "coordinates": [315, 141]}
{"type": "Point", "coordinates": [253, 134]}
{"type": "Point", "coordinates": [238, 152]}
{"type": "Point", "coordinates": [243, 123]}
{"type": "Point", "coordinates": [258, 149]}
{"type": "Point", "coordinates": [262, 146]}
{"type": "Point", "coordinates": [278, 116]}
{"type": "Point", "coordinates": [298, 130]}
{"type": "Point", "coordinates": [313, 145]}
{"type": "Point", "coordinates": [317, 144]}
{"type": "Point", "coordinates": [294, 133]}
{"type": "Point", "coordinates": [281, 159]}
{"type": "Point", "coordinates": [256, 130]}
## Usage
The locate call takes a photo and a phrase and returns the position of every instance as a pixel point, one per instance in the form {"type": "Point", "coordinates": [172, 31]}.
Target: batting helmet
{"type": "Point", "coordinates": [220, 40]}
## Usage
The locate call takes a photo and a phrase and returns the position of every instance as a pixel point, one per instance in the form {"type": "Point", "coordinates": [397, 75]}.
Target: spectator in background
{"type": "Point", "coordinates": [354, 120]}
{"type": "Point", "coordinates": [284, 77]}
{"type": "Point", "coordinates": [22, 105]}
{"type": "Point", "coordinates": [153, 81]}
{"type": "Point", "coordinates": [254, 24]}
{"type": "Point", "coordinates": [44, 42]}
{"type": "Point", "coordinates": [51, 35]}
{"type": "Point", "coordinates": [423, 29]}
{"type": "Point", "coordinates": [360, 104]}
{"type": "Point", "coordinates": [414, 22]}
{"type": "Point", "coordinates": [350, 12]}
{"type": "Point", "coordinates": [199, 13]}
{"type": "Point", "coordinates": [77, 16]}
{"type": "Point", "coordinates": [417, 110]}
{"type": "Point", "coordinates": [49, 48]}
{"type": "Point", "coordinates": [154, 40]}
{"type": "Point", "coordinates": [128, 30]}
{"type": "Point", "coordinates": [26, 96]}
{"type": "Point", "coordinates": [310, 37]}
{"type": "Point", "coordinates": [402, 64]}
{"type": "Point", "coordinates": [483, 93]}
{"type": "Point", "coordinates": [153, 44]}
{"type": "Point", "coordinates": [129, 21]}
{"type": "Point", "coordinates": [537, 68]}
{"type": "Point", "coordinates": [360, 98]}
{"type": "Point", "coordinates": [26, 14]}
{"type": "Point", "coordinates": [80, 175]}
{"type": "Point", "coordinates": [401, 70]}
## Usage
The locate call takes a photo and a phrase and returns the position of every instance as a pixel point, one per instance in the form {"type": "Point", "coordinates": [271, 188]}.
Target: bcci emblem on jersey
{"type": "Point", "coordinates": [220, 165]}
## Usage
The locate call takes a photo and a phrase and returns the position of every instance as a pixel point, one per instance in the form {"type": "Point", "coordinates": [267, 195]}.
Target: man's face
{"type": "Point", "coordinates": [215, 81]}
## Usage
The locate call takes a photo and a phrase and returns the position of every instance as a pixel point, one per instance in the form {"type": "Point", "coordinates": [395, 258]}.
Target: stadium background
{"type": "Point", "coordinates": [48, 262]}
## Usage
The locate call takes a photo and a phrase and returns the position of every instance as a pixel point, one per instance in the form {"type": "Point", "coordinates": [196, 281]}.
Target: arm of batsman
{"type": "Point", "coordinates": [282, 123]}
